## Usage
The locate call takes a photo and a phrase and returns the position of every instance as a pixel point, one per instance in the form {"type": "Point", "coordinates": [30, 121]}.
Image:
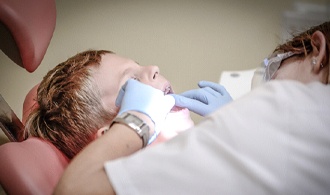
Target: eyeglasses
{"type": "Point", "coordinates": [272, 63]}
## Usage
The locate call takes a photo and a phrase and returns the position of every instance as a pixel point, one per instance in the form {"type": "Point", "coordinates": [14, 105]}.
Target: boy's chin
{"type": "Point", "coordinates": [178, 114]}
{"type": "Point", "coordinates": [178, 120]}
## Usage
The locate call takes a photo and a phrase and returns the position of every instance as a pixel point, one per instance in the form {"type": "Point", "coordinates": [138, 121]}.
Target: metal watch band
{"type": "Point", "coordinates": [135, 123]}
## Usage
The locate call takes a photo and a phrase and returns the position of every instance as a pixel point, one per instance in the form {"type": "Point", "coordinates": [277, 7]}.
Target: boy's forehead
{"type": "Point", "coordinates": [110, 58]}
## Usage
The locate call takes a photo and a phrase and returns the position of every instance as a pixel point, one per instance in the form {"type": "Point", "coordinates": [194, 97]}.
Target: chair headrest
{"type": "Point", "coordinates": [33, 166]}
{"type": "Point", "coordinates": [26, 28]}
{"type": "Point", "coordinates": [30, 103]}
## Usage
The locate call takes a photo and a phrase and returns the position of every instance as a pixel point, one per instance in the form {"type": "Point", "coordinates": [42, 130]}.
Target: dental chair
{"type": "Point", "coordinates": [26, 28]}
{"type": "Point", "coordinates": [31, 166]}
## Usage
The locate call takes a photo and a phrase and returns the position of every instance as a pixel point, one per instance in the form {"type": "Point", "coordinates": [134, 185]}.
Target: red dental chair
{"type": "Point", "coordinates": [26, 28]}
{"type": "Point", "coordinates": [31, 166]}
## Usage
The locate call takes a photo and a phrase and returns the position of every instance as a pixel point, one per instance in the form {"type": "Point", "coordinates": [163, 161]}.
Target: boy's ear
{"type": "Point", "coordinates": [100, 132]}
{"type": "Point", "coordinates": [318, 43]}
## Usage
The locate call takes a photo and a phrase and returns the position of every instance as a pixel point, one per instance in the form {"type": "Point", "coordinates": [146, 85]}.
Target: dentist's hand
{"type": "Point", "coordinates": [136, 96]}
{"type": "Point", "coordinates": [209, 97]}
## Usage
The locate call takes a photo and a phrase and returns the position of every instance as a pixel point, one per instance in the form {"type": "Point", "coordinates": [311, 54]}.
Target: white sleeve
{"type": "Point", "coordinates": [274, 140]}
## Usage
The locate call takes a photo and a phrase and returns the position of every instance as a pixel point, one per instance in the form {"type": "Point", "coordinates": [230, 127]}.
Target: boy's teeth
{"type": "Point", "coordinates": [167, 90]}
{"type": "Point", "coordinates": [176, 108]}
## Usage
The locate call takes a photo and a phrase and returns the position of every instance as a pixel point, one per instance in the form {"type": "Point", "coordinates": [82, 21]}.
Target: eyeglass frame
{"type": "Point", "coordinates": [272, 64]}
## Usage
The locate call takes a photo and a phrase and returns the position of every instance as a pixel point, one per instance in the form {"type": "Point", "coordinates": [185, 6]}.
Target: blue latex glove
{"type": "Point", "coordinates": [209, 97]}
{"type": "Point", "coordinates": [136, 96]}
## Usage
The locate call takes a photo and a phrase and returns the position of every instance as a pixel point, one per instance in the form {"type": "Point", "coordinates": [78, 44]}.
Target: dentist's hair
{"type": "Point", "coordinates": [70, 110]}
{"type": "Point", "coordinates": [301, 43]}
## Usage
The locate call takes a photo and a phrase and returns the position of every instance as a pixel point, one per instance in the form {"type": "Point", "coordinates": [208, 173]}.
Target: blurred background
{"type": "Point", "coordinates": [190, 40]}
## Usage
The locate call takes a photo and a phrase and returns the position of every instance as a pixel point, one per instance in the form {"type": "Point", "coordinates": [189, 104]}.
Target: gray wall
{"type": "Point", "coordinates": [189, 40]}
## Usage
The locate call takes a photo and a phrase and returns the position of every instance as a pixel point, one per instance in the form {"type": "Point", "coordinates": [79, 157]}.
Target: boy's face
{"type": "Point", "coordinates": [115, 70]}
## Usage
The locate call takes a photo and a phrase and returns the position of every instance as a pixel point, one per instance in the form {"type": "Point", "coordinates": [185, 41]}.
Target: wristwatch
{"type": "Point", "coordinates": [135, 123]}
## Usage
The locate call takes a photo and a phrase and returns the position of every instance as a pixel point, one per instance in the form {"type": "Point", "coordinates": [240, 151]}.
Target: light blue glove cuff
{"type": "Point", "coordinates": [136, 96]}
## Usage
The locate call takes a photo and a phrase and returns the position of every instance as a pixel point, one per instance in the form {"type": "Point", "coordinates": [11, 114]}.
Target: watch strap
{"type": "Point", "coordinates": [135, 123]}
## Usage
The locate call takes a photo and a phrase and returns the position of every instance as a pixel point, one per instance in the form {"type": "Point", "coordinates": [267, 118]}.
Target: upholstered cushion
{"type": "Point", "coordinates": [30, 103]}
{"type": "Point", "coordinates": [33, 166]}
{"type": "Point", "coordinates": [26, 28]}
